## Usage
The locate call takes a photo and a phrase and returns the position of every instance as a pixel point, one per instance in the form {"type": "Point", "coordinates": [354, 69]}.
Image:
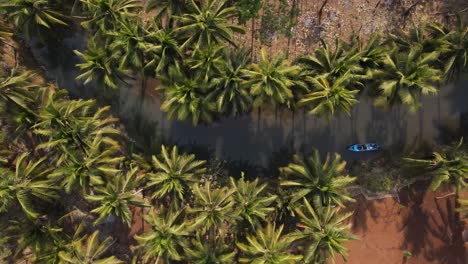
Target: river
{"type": "Point", "coordinates": [263, 140]}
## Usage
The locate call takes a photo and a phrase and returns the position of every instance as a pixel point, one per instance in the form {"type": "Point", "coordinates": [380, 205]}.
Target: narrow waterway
{"type": "Point", "coordinates": [263, 139]}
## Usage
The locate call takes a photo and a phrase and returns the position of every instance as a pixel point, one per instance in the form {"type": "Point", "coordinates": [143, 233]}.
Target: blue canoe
{"type": "Point", "coordinates": [364, 147]}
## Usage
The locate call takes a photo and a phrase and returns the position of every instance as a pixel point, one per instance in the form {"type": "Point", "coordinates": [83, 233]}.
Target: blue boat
{"type": "Point", "coordinates": [364, 147]}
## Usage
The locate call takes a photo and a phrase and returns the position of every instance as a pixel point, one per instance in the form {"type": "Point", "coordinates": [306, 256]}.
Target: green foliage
{"type": "Point", "coordinates": [277, 17]}
{"type": "Point", "coordinates": [34, 18]}
{"type": "Point", "coordinates": [204, 252]}
{"type": "Point", "coordinates": [310, 178]}
{"type": "Point", "coordinates": [325, 232]}
{"type": "Point", "coordinates": [248, 9]}
{"type": "Point", "coordinates": [448, 166]}
{"type": "Point", "coordinates": [167, 237]}
{"type": "Point", "coordinates": [174, 173]}
{"type": "Point", "coordinates": [269, 245]}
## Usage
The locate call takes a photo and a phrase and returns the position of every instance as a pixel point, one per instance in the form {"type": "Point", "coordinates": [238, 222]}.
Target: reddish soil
{"type": "Point", "coordinates": [427, 227]}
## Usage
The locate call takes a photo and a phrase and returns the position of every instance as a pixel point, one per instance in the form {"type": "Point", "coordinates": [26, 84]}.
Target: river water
{"type": "Point", "coordinates": [263, 139]}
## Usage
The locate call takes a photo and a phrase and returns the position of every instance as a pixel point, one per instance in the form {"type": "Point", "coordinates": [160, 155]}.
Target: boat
{"type": "Point", "coordinates": [364, 147]}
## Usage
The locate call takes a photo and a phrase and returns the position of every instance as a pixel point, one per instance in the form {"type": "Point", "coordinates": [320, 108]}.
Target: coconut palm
{"type": "Point", "coordinates": [406, 75]}
{"type": "Point", "coordinates": [185, 97]}
{"type": "Point", "coordinates": [309, 178]}
{"type": "Point", "coordinates": [117, 197]}
{"type": "Point", "coordinates": [333, 63]}
{"type": "Point", "coordinates": [208, 24]}
{"type": "Point", "coordinates": [270, 81]}
{"type": "Point", "coordinates": [453, 47]}
{"type": "Point", "coordinates": [88, 249]}
{"type": "Point", "coordinates": [174, 174]}
{"type": "Point", "coordinates": [372, 52]}
{"type": "Point", "coordinates": [41, 235]}
{"type": "Point", "coordinates": [87, 169]}
{"type": "Point", "coordinates": [16, 87]}
{"type": "Point", "coordinates": [268, 246]}
{"type": "Point", "coordinates": [252, 200]}
{"type": "Point", "coordinates": [100, 66]}
{"type": "Point", "coordinates": [167, 237]}
{"type": "Point", "coordinates": [207, 61]}
{"type": "Point", "coordinates": [201, 251]}
{"type": "Point", "coordinates": [166, 8]}
{"type": "Point", "coordinates": [75, 123]}
{"type": "Point", "coordinates": [448, 166]}
{"type": "Point", "coordinates": [166, 47]}
{"type": "Point", "coordinates": [325, 231]}
{"type": "Point", "coordinates": [212, 207]}
{"type": "Point", "coordinates": [33, 18]}
{"type": "Point", "coordinates": [105, 15]}
{"type": "Point", "coordinates": [328, 98]}
{"type": "Point", "coordinates": [26, 184]}
{"type": "Point", "coordinates": [230, 95]}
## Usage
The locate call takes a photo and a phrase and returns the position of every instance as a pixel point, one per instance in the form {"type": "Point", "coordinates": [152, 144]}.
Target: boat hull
{"type": "Point", "coordinates": [364, 147]}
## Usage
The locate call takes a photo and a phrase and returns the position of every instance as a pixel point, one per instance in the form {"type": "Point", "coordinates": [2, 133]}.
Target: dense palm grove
{"type": "Point", "coordinates": [67, 176]}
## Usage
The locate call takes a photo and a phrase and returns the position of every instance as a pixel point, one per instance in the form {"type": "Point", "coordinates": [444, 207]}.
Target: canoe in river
{"type": "Point", "coordinates": [364, 147]}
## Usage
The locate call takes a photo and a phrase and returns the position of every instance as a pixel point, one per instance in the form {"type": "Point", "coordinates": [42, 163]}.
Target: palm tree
{"type": "Point", "coordinates": [167, 237]}
{"type": "Point", "coordinates": [252, 201]}
{"type": "Point", "coordinates": [202, 252]}
{"type": "Point", "coordinates": [88, 249]}
{"type": "Point", "coordinates": [310, 178]}
{"type": "Point", "coordinates": [207, 61]}
{"type": "Point", "coordinates": [268, 246]}
{"type": "Point", "coordinates": [105, 15]}
{"type": "Point", "coordinates": [329, 98]}
{"type": "Point", "coordinates": [167, 49]}
{"type": "Point", "coordinates": [73, 124]}
{"type": "Point", "coordinates": [453, 47]}
{"type": "Point", "coordinates": [333, 63]}
{"type": "Point", "coordinates": [16, 89]}
{"type": "Point", "coordinates": [185, 97]}
{"type": "Point", "coordinates": [33, 18]}
{"type": "Point", "coordinates": [40, 235]}
{"type": "Point", "coordinates": [448, 166]}
{"type": "Point", "coordinates": [87, 169]}
{"type": "Point", "coordinates": [270, 81]}
{"type": "Point", "coordinates": [100, 66]}
{"type": "Point", "coordinates": [27, 184]}
{"type": "Point", "coordinates": [212, 207]}
{"type": "Point", "coordinates": [230, 95]}
{"type": "Point", "coordinates": [166, 8]}
{"type": "Point", "coordinates": [115, 199]}
{"type": "Point", "coordinates": [404, 76]}
{"type": "Point", "coordinates": [208, 24]}
{"type": "Point", "coordinates": [325, 230]}
{"type": "Point", "coordinates": [174, 174]}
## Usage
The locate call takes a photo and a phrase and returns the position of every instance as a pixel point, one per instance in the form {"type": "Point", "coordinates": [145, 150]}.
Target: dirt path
{"type": "Point", "coordinates": [421, 224]}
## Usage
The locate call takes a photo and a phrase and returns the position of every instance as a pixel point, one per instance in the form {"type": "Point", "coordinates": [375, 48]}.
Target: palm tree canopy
{"type": "Point", "coordinates": [212, 206]}
{"type": "Point", "coordinates": [116, 198]}
{"type": "Point", "coordinates": [325, 229]}
{"type": "Point", "coordinates": [271, 80]}
{"type": "Point", "coordinates": [203, 252]}
{"type": "Point", "coordinates": [27, 183]}
{"type": "Point", "coordinates": [251, 199]}
{"type": "Point", "coordinates": [268, 246]}
{"type": "Point", "coordinates": [33, 17]}
{"type": "Point", "coordinates": [105, 15]}
{"type": "Point", "coordinates": [309, 177]}
{"type": "Point", "coordinates": [448, 166]}
{"type": "Point", "coordinates": [88, 249]}
{"type": "Point", "coordinates": [167, 238]}
{"type": "Point", "coordinates": [174, 173]}
{"type": "Point", "coordinates": [327, 99]}
{"type": "Point", "coordinates": [230, 94]}
{"type": "Point", "coordinates": [406, 75]}
{"type": "Point", "coordinates": [208, 24]}
{"type": "Point", "coordinates": [185, 97]}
